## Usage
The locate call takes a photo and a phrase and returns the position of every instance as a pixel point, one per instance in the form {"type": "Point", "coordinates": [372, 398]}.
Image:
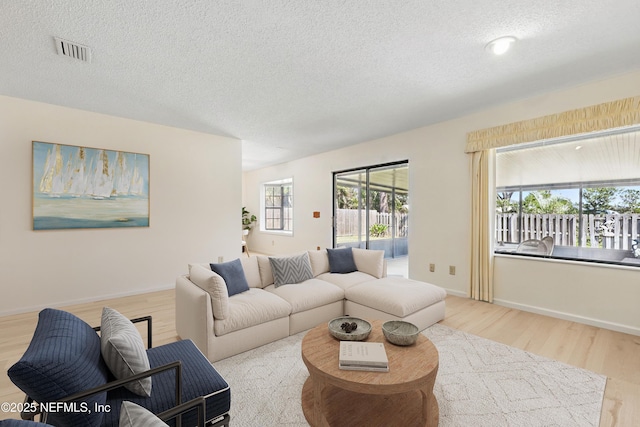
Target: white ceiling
{"type": "Point", "coordinates": [296, 77]}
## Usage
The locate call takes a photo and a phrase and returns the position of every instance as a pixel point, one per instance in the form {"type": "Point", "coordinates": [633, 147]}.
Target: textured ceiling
{"type": "Point", "coordinates": [298, 77]}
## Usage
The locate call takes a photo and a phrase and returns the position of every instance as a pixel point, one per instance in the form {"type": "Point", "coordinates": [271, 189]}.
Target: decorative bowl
{"type": "Point", "coordinates": [359, 334]}
{"type": "Point", "coordinates": [399, 332]}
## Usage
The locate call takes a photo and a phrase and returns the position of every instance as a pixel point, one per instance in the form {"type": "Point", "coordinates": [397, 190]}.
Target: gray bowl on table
{"type": "Point", "coordinates": [358, 334]}
{"type": "Point", "coordinates": [399, 332]}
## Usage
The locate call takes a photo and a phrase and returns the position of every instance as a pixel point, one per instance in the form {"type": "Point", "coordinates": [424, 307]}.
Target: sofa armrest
{"type": "Point", "coordinates": [194, 314]}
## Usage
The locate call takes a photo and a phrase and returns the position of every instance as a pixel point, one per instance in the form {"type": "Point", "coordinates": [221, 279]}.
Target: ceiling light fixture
{"type": "Point", "coordinates": [500, 45]}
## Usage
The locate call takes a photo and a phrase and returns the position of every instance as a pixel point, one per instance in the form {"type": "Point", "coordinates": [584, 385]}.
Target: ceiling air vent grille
{"type": "Point", "coordinates": [73, 50]}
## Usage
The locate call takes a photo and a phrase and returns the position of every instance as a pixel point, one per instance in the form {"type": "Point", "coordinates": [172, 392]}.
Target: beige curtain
{"type": "Point", "coordinates": [482, 219]}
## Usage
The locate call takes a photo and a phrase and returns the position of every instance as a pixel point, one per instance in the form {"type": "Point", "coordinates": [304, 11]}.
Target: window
{"type": "Point", "coordinates": [582, 192]}
{"type": "Point", "coordinates": [277, 209]}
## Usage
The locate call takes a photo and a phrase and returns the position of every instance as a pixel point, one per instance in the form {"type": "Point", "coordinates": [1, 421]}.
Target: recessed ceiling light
{"type": "Point", "coordinates": [500, 45]}
{"type": "Point", "coordinates": [578, 147]}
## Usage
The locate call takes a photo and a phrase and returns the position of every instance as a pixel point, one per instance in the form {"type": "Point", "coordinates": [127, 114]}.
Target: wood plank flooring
{"type": "Point", "coordinates": [606, 352]}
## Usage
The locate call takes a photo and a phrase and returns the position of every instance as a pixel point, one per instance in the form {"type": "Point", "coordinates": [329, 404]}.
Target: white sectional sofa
{"type": "Point", "coordinates": [223, 325]}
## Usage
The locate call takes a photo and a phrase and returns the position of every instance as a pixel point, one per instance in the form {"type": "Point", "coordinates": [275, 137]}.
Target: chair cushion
{"type": "Point", "coordinates": [123, 350]}
{"type": "Point", "coordinates": [215, 286]}
{"type": "Point", "coordinates": [132, 415]}
{"type": "Point", "coordinates": [254, 307]}
{"type": "Point", "coordinates": [290, 270]}
{"type": "Point", "coordinates": [199, 378]}
{"type": "Point", "coordinates": [395, 295]}
{"type": "Point", "coordinates": [233, 276]}
{"type": "Point", "coordinates": [63, 358]}
{"type": "Point", "coordinates": [308, 294]}
{"type": "Point", "coordinates": [341, 260]}
{"type": "Point", "coordinates": [22, 423]}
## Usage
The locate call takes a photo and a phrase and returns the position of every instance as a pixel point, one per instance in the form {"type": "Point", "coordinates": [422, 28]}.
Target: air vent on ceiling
{"type": "Point", "coordinates": [73, 50]}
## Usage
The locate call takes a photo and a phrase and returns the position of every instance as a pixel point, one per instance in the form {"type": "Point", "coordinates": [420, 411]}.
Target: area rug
{"type": "Point", "coordinates": [480, 383]}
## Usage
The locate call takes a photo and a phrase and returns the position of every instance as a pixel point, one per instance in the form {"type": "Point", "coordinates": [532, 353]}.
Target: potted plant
{"type": "Point", "coordinates": [248, 220]}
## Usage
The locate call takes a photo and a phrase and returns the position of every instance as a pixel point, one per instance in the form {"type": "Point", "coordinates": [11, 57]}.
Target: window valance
{"type": "Point", "coordinates": [609, 115]}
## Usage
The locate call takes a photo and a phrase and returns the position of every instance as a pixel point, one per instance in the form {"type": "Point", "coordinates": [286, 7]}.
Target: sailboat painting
{"type": "Point", "coordinates": [82, 187]}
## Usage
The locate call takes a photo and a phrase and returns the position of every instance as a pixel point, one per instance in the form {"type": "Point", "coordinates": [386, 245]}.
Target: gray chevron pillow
{"type": "Point", "coordinates": [290, 270]}
{"type": "Point", "coordinates": [132, 415]}
{"type": "Point", "coordinates": [123, 350]}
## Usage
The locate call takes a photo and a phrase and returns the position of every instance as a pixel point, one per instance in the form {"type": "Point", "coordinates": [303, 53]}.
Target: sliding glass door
{"type": "Point", "coordinates": [371, 208]}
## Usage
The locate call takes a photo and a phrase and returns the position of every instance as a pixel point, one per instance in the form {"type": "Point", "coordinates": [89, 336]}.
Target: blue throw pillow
{"type": "Point", "coordinates": [62, 359]}
{"type": "Point", "coordinates": [341, 260]}
{"type": "Point", "coordinates": [233, 276]}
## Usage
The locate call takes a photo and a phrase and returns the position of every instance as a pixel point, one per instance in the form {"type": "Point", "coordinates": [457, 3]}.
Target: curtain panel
{"type": "Point", "coordinates": [482, 219]}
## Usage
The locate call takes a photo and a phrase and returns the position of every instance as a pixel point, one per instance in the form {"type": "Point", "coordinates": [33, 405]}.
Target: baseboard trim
{"type": "Point", "coordinates": [571, 317]}
{"type": "Point", "coordinates": [85, 300]}
{"type": "Point", "coordinates": [456, 293]}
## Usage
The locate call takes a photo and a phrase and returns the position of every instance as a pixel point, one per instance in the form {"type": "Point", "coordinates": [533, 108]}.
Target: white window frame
{"type": "Point", "coordinates": [263, 206]}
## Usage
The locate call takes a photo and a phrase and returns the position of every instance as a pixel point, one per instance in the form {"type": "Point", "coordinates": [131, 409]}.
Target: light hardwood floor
{"type": "Point", "coordinates": [610, 353]}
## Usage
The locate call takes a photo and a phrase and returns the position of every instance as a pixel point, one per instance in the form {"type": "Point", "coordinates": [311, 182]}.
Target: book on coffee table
{"type": "Point", "coordinates": [363, 356]}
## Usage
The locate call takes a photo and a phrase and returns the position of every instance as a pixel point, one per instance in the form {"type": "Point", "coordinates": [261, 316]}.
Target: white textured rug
{"type": "Point", "coordinates": [479, 383]}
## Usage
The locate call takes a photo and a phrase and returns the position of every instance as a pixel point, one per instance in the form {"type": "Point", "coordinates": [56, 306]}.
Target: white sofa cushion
{"type": "Point", "coordinates": [252, 271]}
{"type": "Point", "coordinates": [319, 262]}
{"type": "Point", "coordinates": [345, 281]}
{"type": "Point", "coordinates": [264, 267]}
{"type": "Point", "coordinates": [309, 294]}
{"type": "Point", "coordinates": [395, 295]}
{"type": "Point", "coordinates": [369, 261]}
{"type": "Point", "coordinates": [215, 286]}
{"type": "Point", "coordinates": [250, 308]}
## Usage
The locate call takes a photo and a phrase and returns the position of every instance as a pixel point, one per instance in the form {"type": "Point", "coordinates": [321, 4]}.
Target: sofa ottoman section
{"type": "Point", "coordinates": [397, 298]}
{"type": "Point", "coordinates": [312, 301]}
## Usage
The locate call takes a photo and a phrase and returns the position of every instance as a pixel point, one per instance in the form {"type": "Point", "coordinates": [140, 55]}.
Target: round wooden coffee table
{"type": "Point", "coordinates": [403, 396]}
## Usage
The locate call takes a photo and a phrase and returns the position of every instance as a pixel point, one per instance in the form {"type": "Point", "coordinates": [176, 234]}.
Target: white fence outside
{"type": "Point", "coordinates": [352, 222]}
{"type": "Point", "coordinates": [611, 231]}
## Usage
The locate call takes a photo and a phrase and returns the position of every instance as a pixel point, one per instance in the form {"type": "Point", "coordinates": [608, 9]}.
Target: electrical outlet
{"type": "Point", "coordinates": [220, 259]}
{"type": "Point", "coordinates": [273, 243]}
{"type": "Point", "coordinates": [452, 270]}
{"type": "Point", "coordinates": [432, 267]}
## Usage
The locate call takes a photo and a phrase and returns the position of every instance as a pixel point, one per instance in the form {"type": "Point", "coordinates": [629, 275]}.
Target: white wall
{"type": "Point", "coordinates": [440, 209]}
{"type": "Point", "coordinates": [195, 200]}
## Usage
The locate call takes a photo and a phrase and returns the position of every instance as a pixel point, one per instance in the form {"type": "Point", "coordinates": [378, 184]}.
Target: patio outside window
{"type": "Point", "coordinates": [584, 192]}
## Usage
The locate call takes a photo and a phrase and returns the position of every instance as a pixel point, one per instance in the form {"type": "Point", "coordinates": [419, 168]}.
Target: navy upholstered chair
{"type": "Point", "coordinates": [63, 363]}
{"type": "Point", "coordinates": [22, 423]}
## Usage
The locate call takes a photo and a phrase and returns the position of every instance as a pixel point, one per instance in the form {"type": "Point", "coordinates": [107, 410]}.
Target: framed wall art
{"type": "Point", "coordinates": [82, 187]}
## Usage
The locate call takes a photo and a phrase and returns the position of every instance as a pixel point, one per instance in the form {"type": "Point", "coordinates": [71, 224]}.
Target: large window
{"type": "Point", "coordinates": [584, 193]}
{"type": "Point", "coordinates": [277, 206]}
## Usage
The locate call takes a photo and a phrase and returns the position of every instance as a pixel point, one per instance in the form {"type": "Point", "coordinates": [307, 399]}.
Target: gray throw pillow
{"type": "Point", "coordinates": [341, 260]}
{"type": "Point", "coordinates": [233, 275]}
{"type": "Point", "coordinates": [132, 415]}
{"type": "Point", "coordinates": [290, 270]}
{"type": "Point", "coordinates": [123, 350]}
